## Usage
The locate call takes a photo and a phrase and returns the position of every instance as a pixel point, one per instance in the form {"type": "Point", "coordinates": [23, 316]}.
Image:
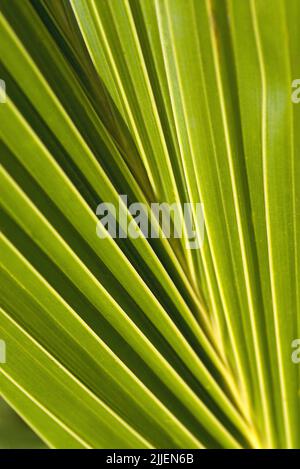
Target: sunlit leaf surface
{"type": "Point", "coordinates": [141, 342]}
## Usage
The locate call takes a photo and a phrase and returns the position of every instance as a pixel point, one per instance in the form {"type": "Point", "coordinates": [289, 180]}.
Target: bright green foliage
{"type": "Point", "coordinates": [142, 343]}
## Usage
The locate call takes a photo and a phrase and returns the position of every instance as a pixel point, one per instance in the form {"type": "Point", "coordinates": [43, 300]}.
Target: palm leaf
{"type": "Point", "coordinates": [142, 342]}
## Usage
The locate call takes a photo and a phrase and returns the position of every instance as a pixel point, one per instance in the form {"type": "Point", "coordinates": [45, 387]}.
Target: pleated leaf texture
{"type": "Point", "coordinates": [142, 342]}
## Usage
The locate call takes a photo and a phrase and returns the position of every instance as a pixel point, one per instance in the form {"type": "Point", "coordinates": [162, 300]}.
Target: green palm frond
{"type": "Point", "coordinates": [142, 342]}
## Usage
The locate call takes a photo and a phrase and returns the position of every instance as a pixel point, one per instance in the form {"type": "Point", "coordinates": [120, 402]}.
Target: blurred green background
{"type": "Point", "coordinates": [14, 433]}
